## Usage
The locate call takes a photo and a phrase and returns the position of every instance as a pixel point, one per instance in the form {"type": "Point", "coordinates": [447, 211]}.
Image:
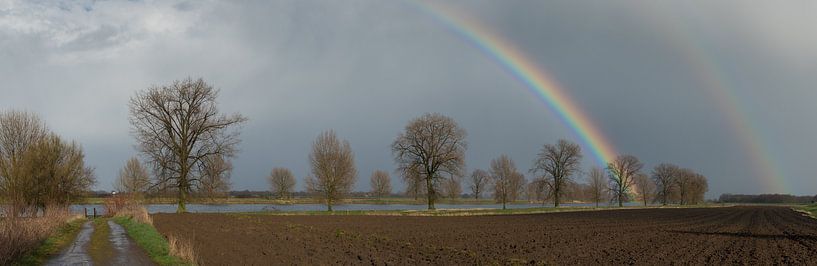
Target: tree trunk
{"type": "Point", "coordinates": [182, 208]}
{"type": "Point", "coordinates": [430, 187]}
{"type": "Point", "coordinates": [556, 196]}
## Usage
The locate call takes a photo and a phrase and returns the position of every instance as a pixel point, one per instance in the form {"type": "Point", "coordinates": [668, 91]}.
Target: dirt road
{"type": "Point", "coordinates": [736, 235]}
{"type": "Point", "coordinates": [119, 248]}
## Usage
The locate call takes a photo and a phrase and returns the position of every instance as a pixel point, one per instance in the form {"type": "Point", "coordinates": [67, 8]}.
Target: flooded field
{"type": "Point", "coordinates": [230, 208]}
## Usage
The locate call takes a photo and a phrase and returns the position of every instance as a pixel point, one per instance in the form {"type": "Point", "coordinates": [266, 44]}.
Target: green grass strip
{"type": "Point", "coordinates": [810, 209]}
{"type": "Point", "coordinates": [53, 244]}
{"type": "Point", "coordinates": [150, 240]}
{"type": "Point", "coordinates": [100, 248]}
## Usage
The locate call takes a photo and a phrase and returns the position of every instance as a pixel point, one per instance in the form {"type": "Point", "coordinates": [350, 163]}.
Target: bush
{"type": "Point", "coordinates": [124, 206]}
{"type": "Point", "coordinates": [22, 235]}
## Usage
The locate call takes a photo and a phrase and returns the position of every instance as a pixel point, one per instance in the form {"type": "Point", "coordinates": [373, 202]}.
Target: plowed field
{"type": "Point", "coordinates": [734, 235]}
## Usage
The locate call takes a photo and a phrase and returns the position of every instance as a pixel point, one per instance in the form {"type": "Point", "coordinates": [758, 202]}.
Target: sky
{"type": "Point", "coordinates": [726, 87]}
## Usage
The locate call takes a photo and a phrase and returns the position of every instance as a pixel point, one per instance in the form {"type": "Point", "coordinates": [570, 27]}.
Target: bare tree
{"type": "Point", "coordinates": [18, 132]}
{"type": "Point", "coordinates": [597, 184]}
{"type": "Point", "coordinates": [56, 172]}
{"type": "Point", "coordinates": [177, 127]}
{"type": "Point", "coordinates": [537, 190]}
{"type": "Point", "coordinates": [698, 188]}
{"type": "Point", "coordinates": [622, 174]}
{"type": "Point", "coordinates": [133, 178]}
{"type": "Point", "coordinates": [558, 163]}
{"type": "Point", "coordinates": [37, 168]}
{"type": "Point", "coordinates": [479, 179]}
{"type": "Point", "coordinates": [691, 186]}
{"type": "Point", "coordinates": [414, 182]}
{"type": "Point", "coordinates": [453, 187]}
{"type": "Point", "coordinates": [333, 168]}
{"type": "Point", "coordinates": [664, 175]}
{"type": "Point", "coordinates": [215, 178]}
{"type": "Point", "coordinates": [431, 144]}
{"type": "Point", "coordinates": [645, 187]}
{"type": "Point", "coordinates": [381, 184]}
{"type": "Point", "coordinates": [507, 180]}
{"type": "Point", "coordinates": [282, 182]}
{"type": "Point", "coordinates": [683, 183]}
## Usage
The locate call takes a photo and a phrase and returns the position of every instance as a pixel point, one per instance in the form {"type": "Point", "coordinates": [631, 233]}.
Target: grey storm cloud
{"type": "Point", "coordinates": [364, 68]}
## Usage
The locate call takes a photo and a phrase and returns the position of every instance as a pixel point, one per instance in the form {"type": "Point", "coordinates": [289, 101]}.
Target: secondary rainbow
{"type": "Point", "coordinates": [533, 77]}
{"type": "Point", "coordinates": [712, 77]}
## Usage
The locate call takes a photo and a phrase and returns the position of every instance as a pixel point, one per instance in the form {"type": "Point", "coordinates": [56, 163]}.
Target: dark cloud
{"type": "Point", "coordinates": [364, 68]}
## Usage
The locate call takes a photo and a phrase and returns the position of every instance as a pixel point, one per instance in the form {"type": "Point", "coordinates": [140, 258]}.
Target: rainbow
{"type": "Point", "coordinates": [533, 77]}
{"type": "Point", "coordinates": [712, 77]}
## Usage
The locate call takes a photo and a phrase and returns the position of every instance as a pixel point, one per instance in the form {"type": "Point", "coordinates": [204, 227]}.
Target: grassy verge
{"type": "Point", "coordinates": [150, 240]}
{"type": "Point", "coordinates": [811, 210]}
{"type": "Point", "coordinates": [100, 248]}
{"type": "Point", "coordinates": [53, 244]}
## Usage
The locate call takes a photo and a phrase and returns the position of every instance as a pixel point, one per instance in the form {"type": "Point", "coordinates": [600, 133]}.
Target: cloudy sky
{"type": "Point", "coordinates": [725, 87]}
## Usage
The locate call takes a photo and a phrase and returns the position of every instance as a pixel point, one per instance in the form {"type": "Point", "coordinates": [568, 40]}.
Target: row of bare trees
{"type": "Point", "coordinates": [188, 144]}
{"type": "Point", "coordinates": [38, 169]}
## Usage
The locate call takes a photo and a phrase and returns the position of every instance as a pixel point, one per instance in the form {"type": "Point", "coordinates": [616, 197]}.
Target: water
{"type": "Point", "coordinates": [227, 208]}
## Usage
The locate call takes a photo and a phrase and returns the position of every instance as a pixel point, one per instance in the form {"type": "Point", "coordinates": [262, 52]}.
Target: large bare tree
{"type": "Point", "coordinates": [381, 184]}
{"type": "Point", "coordinates": [478, 181]}
{"type": "Point", "coordinates": [645, 187]}
{"type": "Point", "coordinates": [215, 177]}
{"type": "Point", "coordinates": [623, 170]}
{"type": "Point", "coordinates": [597, 185]}
{"type": "Point", "coordinates": [507, 181]}
{"type": "Point", "coordinates": [558, 163]}
{"type": "Point", "coordinates": [333, 168]}
{"type": "Point", "coordinates": [282, 182]}
{"type": "Point", "coordinates": [431, 144]}
{"type": "Point", "coordinates": [133, 178]}
{"type": "Point", "coordinates": [664, 175]}
{"type": "Point", "coordinates": [177, 127]}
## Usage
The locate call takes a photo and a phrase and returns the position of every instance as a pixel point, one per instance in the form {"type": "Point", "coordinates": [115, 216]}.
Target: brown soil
{"type": "Point", "coordinates": [736, 235]}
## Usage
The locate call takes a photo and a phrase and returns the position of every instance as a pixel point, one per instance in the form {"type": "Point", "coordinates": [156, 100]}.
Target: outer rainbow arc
{"type": "Point", "coordinates": [535, 79]}
{"type": "Point", "coordinates": [711, 76]}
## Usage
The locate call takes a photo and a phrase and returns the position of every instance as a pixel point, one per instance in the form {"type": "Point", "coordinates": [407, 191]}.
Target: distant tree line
{"type": "Point", "coordinates": [766, 198]}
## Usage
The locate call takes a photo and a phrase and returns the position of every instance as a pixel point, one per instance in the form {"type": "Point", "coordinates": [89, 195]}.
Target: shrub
{"type": "Point", "coordinates": [22, 235]}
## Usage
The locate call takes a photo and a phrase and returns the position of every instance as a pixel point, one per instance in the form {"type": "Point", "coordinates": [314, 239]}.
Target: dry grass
{"type": "Point", "coordinates": [182, 248]}
{"type": "Point", "coordinates": [20, 236]}
{"type": "Point", "coordinates": [123, 206]}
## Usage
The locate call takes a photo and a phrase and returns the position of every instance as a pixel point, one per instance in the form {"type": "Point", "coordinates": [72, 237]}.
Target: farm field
{"type": "Point", "coordinates": [742, 235]}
